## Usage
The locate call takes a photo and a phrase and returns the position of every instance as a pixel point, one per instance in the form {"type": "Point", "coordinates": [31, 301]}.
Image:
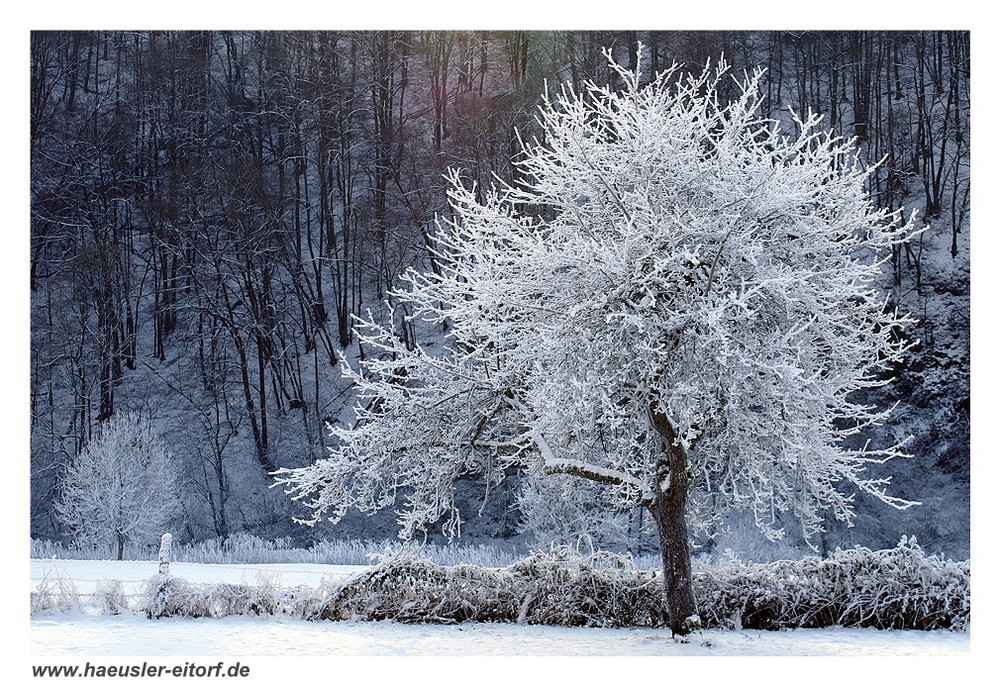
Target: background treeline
{"type": "Point", "coordinates": [210, 208]}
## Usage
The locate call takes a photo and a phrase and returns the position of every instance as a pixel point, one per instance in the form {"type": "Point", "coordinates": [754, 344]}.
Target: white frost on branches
{"type": "Point", "coordinates": [669, 251]}
{"type": "Point", "coordinates": [122, 487]}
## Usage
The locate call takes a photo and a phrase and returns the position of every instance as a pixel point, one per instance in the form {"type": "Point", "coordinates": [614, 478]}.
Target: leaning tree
{"type": "Point", "coordinates": [682, 298]}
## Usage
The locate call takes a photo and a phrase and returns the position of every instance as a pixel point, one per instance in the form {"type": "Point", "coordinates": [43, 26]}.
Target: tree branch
{"type": "Point", "coordinates": [601, 475]}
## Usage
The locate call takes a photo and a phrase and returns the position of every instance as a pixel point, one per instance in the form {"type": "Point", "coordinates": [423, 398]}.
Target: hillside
{"type": "Point", "coordinates": [209, 210]}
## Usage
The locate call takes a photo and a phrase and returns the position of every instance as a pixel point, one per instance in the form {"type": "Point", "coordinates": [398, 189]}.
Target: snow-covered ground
{"type": "Point", "coordinates": [79, 635]}
{"type": "Point", "coordinates": [89, 633]}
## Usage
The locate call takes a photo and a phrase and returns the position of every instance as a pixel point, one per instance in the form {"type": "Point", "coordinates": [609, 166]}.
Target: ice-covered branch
{"type": "Point", "coordinates": [601, 475]}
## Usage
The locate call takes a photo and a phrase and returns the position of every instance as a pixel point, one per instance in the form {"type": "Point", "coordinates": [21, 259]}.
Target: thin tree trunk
{"type": "Point", "coordinates": [668, 509]}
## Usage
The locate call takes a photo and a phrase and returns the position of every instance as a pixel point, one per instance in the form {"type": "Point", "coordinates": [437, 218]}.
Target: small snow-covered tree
{"type": "Point", "coordinates": [681, 299]}
{"type": "Point", "coordinates": [122, 487]}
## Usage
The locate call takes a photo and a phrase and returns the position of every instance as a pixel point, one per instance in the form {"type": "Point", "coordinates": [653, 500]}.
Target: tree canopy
{"type": "Point", "coordinates": [681, 296]}
{"type": "Point", "coordinates": [122, 487]}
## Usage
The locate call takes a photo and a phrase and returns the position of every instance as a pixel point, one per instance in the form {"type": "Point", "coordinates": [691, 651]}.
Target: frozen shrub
{"type": "Point", "coordinates": [602, 589]}
{"type": "Point", "coordinates": [405, 589]}
{"type": "Point", "coordinates": [172, 597]}
{"type": "Point", "coordinates": [243, 599]}
{"type": "Point", "coordinates": [57, 594]}
{"type": "Point", "coordinates": [111, 597]}
{"type": "Point", "coordinates": [899, 588]}
{"type": "Point", "coordinates": [560, 587]}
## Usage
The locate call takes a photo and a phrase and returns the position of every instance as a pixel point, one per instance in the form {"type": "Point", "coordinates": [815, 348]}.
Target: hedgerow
{"type": "Point", "coordinates": [898, 588]}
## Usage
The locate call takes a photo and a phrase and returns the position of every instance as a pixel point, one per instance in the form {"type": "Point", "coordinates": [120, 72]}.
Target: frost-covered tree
{"type": "Point", "coordinates": [681, 299]}
{"type": "Point", "coordinates": [564, 510]}
{"type": "Point", "coordinates": [122, 487]}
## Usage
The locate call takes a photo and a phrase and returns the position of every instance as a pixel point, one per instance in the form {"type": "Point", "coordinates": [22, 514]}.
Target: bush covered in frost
{"type": "Point", "coordinates": [57, 594]}
{"type": "Point", "coordinates": [899, 588]}
{"type": "Point", "coordinates": [171, 596]}
{"type": "Point", "coordinates": [416, 590]}
{"type": "Point", "coordinates": [560, 587]}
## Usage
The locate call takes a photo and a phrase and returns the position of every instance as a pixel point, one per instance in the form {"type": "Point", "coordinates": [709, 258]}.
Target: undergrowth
{"type": "Point", "coordinates": [899, 588]}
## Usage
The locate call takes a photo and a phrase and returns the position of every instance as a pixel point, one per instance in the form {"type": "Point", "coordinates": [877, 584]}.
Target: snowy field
{"type": "Point", "coordinates": [89, 633]}
{"type": "Point", "coordinates": [268, 636]}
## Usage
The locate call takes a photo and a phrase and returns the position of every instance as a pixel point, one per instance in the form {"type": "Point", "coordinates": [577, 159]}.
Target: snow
{"type": "Point", "coordinates": [85, 574]}
{"type": "Point", "coordinates": [135, 635]}
{"type": "Point", "coordinates": [89, 633]}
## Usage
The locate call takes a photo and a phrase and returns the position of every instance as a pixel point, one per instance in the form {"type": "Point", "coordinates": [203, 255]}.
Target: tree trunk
{"type": "Point", "coordinates": [668, 510]}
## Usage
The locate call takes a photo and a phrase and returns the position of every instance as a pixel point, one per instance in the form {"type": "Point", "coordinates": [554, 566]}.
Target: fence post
{"type": "Point", "coordinates": [165, 554]}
